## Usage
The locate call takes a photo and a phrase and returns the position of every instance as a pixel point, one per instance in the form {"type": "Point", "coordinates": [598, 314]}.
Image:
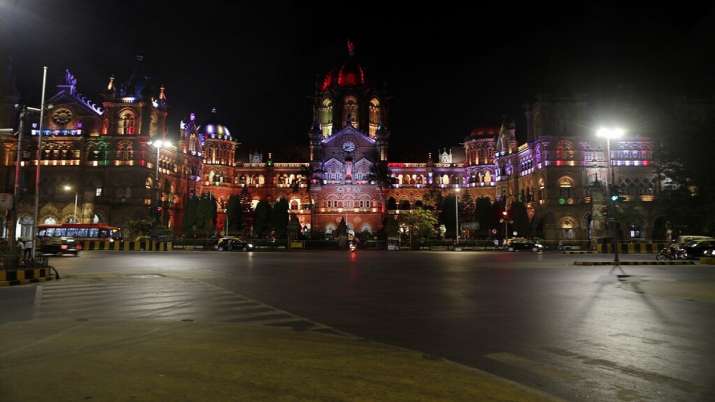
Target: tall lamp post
{"type": "Point", "coordinates": [456, 215]}
{"type": "Point", "coordinates": [39, 162]}
{"type": "Point", "coordinates": [68, 188]}
{"type": "Point", "coordinates": [611, 133]}
{"type": "Point", "coordinates": [158, 144]}
{"type": "Point", "coordinates": [504, 215]}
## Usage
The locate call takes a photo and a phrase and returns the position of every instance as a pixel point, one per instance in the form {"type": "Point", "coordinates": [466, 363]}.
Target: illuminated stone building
{"type": "Point", "coordinates": [104, 150]}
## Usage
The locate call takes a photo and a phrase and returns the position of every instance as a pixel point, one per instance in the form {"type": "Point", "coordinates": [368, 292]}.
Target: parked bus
{"type": "Point", "coordinates": [67, 238]}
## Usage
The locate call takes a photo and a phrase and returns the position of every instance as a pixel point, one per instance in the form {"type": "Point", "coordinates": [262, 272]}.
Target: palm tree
{"type": "Point", "coordinates": [380, 175]}
{"type": "Point", "coordinates": [305, 176]}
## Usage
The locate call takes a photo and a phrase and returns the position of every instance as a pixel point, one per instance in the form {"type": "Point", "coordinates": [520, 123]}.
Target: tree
{"type": "Point", "coordinates": [432, 199]}
{"type": "Point", "coordinates": [518, 214]}
{"type": "Point", "coordinates": [305, 176]}
{"type": "Point", "coordinates": [390, 227]}
{"type": "Point", "coordinates": [380, 175]}
{"type": "Point", "coordinates": [234, 214]}
{"type": "Point", "coordinates": [466, 208]}
{"type": "Point", "coordinates": [190, 214]}
{"type": "Point", "coordinates": [420, 224]}
{"type": "Point", "coordinates": [205, 215]}
{"type": "Point", "coordinates": [447, 215]}
{"type": "Point", "coordinates": [485, 215]}
{"type": "Point", "coordinates": [262, 220]}
{"type": "Point", "coordinates": [279, 218]}
{"type": "Point", "coordinates": [139, 227]}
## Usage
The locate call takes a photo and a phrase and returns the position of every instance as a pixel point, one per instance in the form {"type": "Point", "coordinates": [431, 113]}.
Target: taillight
{"type": "Point", "coordinates": [64, 247]}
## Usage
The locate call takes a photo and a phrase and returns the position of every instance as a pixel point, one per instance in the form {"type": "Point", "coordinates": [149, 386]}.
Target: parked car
{"type": "Point", "coordinates": [521, 243]}
{"type": "Point", "coordinates": [233, 244]}
{"type": "Point", "coordinates": [696, 248]}
{"type": "Point", "coordinates": [58, 246]}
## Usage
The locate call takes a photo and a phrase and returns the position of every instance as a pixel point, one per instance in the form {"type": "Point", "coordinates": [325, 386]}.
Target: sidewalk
{"type": "Point", "coordinates": [191, 361]}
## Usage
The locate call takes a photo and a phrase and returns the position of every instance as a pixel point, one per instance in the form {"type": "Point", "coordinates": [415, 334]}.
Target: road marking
{"type": "Point", "coordinates": [175, 298]}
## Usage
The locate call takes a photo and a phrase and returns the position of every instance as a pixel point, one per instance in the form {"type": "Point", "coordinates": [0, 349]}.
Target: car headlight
{"type": "Point", "coordinates": [250, 245]}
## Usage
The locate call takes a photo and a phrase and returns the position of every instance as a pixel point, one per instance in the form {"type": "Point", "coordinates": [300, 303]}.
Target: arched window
{"type": "Point", "coordinates": [487, 177]}
{"type": "Point", "coordinates": [127, 122]}
{"type": "Point", "coordinates": [149, 182]}
{"type": "Point", "coordinates": [445, 179]}
{"type": "Point", "coordinates": [375, 118]}
{"type": "Point", "coordinates": [565, 150]}
{"type": "Point", "coordinates": [125, 151]}
{"type": "Point", "coordinates": [50, 220]}
{"type": "Point", "coordinates": [350, 111]}
{"type": "Point", "coordinates": [565, 187]}
{"type": "Point", "coordinates": [326, 117]}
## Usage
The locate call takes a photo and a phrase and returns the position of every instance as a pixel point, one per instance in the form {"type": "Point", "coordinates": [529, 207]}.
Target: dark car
{"type": "Point", "coordinates": [697, 249]}
{"type": "Point", "coordinates": [525, 244]}
{"type": "Point", "coordinates": [59, 246]}
{"type": "Point", "coordinates": [233, 244]}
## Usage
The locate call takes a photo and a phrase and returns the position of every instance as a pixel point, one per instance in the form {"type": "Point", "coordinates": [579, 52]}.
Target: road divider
{"type": "Point", "coordinates": [127, 245]}
{"type": "Point", "coordinates": [25, 276]}
{"type": "Point", "coordinates": [634, 263]}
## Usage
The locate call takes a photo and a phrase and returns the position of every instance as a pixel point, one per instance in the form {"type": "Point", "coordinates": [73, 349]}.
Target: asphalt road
{"type": "Point", "coordinates": [580, 333]}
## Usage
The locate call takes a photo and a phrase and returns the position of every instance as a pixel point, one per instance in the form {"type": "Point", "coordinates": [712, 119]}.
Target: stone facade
{"type": "Point", "coordinates": [105, 151]}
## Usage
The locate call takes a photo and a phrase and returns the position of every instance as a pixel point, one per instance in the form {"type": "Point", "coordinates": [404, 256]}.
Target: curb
{"type": "Point", "coordinates": [25, 276]}
{"type": "Point", "coordinates": [590, 263]}
{"type": "Point", "coordinates": [578, 252]}
{"type": "Point", "coordinates": [707, 261]}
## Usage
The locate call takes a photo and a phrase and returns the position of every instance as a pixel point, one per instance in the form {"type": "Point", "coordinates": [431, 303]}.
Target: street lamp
{"type": "Point", "coordinates": [67, 187]}
{"type": "Point", "coordinates": [504, 215]}
{"type": "Point", "coordinates": [159, 144]}
{"type": "Point", "coordinates": [611, 133]}
{"type": "Point", "coordinates": [456, 215]}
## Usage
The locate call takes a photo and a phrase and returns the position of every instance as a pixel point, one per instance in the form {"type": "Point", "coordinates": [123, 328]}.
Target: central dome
{"type": "Point", "coordinates": [214, 129]}
{"type": "Point", "coordinates": [350, 74]}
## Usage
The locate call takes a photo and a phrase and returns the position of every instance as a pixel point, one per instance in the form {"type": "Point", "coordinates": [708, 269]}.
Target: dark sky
{"type": "Point", "coordinates": [449, 67]}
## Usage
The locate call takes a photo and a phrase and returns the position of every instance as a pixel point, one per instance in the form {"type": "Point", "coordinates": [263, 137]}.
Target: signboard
{"type": "Point", "coordinates": [5, 201]}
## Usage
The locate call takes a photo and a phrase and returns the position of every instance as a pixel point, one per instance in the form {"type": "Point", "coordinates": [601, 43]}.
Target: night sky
{"type": "Point", "coordinates": [448, 69]}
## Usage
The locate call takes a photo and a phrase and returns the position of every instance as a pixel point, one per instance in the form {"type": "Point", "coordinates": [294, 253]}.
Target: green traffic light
{"type": "Point", "coordinates": [614, 198]}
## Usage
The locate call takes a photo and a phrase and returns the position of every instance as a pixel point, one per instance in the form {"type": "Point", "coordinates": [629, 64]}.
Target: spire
{"type": "Point", "coordinates": [162, 94]}
{"type": "Point", "coordinates": [110, 85]}
{"type": "Point", "coordinates": [351, 48]}
{"type": "Point", "coordinates": [70, 82]}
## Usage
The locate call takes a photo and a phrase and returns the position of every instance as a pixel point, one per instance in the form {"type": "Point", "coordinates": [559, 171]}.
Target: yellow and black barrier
{"type": "Point", "coordinates": [127, 245]}
{"type": "Point", "coordinates": [24, 276]}
{"type": "Point", "coordinates": [630, 248]}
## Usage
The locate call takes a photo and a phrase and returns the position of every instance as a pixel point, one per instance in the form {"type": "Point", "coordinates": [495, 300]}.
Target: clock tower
{"type": "Point", "coordinates": [348, 137]}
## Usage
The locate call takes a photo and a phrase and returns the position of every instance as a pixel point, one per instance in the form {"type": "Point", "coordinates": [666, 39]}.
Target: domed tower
{"type": "Point", "coordinates": [218, 147]}
{"type": "Point", "coordinates": [346, 98]}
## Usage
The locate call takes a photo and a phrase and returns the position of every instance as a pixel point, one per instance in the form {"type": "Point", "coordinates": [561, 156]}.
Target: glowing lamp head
{"type": "Point", "coordinates": [610, 133]}
{"type": "Point", "coordinates": [67, 187]}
